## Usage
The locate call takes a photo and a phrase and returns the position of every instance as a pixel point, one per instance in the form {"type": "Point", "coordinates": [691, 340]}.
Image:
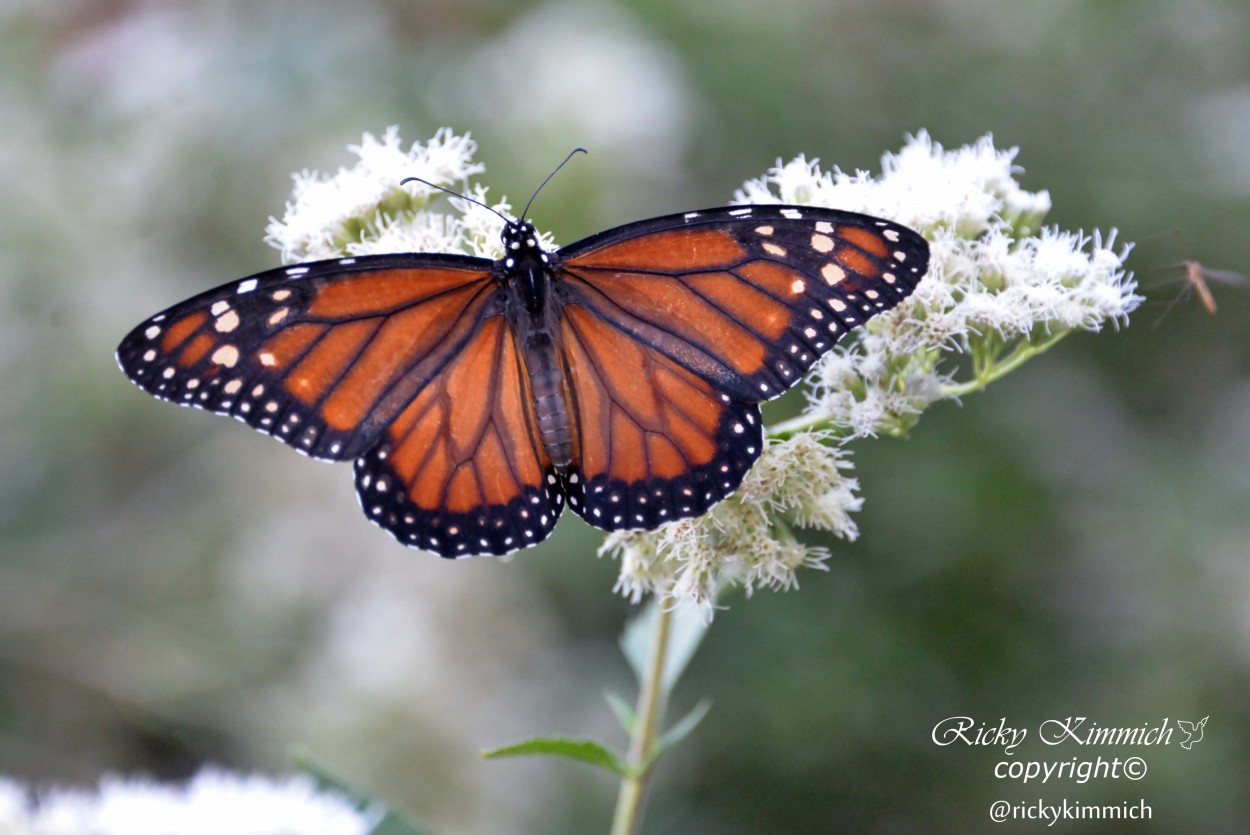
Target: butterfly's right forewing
{"type": "Point", "coordinates": [321, 356]}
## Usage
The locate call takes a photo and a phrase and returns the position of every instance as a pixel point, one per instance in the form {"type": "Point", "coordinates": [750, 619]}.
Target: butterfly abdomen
{"type": "Point", "coordinates": [547, 389]}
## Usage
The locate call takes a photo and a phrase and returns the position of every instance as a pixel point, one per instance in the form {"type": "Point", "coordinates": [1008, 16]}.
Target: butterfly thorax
{"type": "Point", "coordinates": [526, 265]}
{"type": "Point", "coordinates": [534, 314]}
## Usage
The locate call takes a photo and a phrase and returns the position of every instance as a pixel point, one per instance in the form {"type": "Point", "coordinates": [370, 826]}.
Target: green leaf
{"type": "Point", "coordinates": [688, 625]}
{"type": "Point", "coordinates": [623, 712]}
{"type": "Point", "coordinates": [637, 639]}
{"type": "Point", "coordinates": [388, 821]}
{"type": "Point", "coordinates": [682, 728]}
{"type": "Point", "coordinates": [584, 750]}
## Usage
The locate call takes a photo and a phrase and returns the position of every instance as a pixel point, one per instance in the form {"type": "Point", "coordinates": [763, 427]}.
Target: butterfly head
{"type": "Point", "coordinates": [521, 246]}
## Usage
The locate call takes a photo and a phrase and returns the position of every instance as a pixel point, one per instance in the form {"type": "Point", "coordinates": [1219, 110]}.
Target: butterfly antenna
{"type": "Point", "coordinates": [506, 219]}
{"type": "Point", "coordinates": [578, 150]}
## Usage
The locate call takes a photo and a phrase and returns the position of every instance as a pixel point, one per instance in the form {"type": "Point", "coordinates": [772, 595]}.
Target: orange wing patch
{"type": "Point", "coordinates": [381, 292]}
{"type": "Point", "coordinates": [462, 470]}
{"type": "Point", "coordinates": [694, 248]}
{"type": "Point", "coordinates": [864, 238]}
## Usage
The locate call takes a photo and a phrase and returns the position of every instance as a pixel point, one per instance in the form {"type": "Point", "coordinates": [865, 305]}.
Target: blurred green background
{"type": "Point", "coordinates": [175, 589]}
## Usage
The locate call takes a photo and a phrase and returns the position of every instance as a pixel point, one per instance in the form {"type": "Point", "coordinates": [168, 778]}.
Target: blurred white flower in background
{"type": "Point", "coordinates": [586, 74]}
{"type": "Point", "coordinates": [212, 803]}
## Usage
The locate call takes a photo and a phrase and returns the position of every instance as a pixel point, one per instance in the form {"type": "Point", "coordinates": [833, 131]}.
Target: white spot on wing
{"type": "Point", "coordinates": [832, 274]}
{"type": "Point", "coordinates": [227, 322]}
{"type": "Point", "coordinates": [247, 286]}
{"type": "Point", "coordinates": [226, 355]}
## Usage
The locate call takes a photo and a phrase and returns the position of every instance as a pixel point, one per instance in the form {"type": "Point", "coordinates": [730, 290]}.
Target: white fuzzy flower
{"type": "Point", "coordinates": [212, 803]}
{"type": "Point", "coordinates": [998, 289]}
{"type": "Point", "coordinates": [363, 210]}
{"type": "Point", "coordinates": [745, 540]}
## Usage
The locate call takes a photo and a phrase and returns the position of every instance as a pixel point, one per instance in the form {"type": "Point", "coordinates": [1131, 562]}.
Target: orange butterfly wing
{"type": "Point", "coordinates": [321, 356]}
{"type": "Point", "coordinates": [403, 362]}
{"type": "Point", "coordinates": [674, 328]}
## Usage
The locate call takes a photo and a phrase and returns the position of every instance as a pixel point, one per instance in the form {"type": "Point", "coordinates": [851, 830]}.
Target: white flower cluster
{"type": "Point", "coordinates": [363, 210]}
{"type": "Point", "coordinates": [746, 540]}
{"type": "Point", "coordinates": [999, 290]}
{"type": "Point", "coordinates": [212, 803]}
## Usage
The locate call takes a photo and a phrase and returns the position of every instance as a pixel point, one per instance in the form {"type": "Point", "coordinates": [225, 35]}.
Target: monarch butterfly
{"type": "Point", "coordinates": [621, 373]}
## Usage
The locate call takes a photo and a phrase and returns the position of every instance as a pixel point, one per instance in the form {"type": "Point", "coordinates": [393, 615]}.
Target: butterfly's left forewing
{"type": "Point", "coordinates": [747, 298]}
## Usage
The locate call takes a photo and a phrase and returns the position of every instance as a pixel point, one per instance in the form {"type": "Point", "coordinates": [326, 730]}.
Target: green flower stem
{"type": "Point", "coordinates": [649, 713]}
{"type": "Point", "coordinates": [988, 365]}
{"type": "Point", "coordinates": [793, 426]}
{"type": "Point", "coordinates": [988, 372]}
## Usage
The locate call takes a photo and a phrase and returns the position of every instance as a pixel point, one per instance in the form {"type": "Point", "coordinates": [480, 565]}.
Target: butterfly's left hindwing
{"type": "Point", "coordinates": [321, 356]}
{"type": "Point", "coordinates": [653, 442]}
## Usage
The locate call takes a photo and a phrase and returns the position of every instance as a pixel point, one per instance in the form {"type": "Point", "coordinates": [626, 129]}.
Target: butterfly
{"type": "Point", "coordinates": [620, 374]}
